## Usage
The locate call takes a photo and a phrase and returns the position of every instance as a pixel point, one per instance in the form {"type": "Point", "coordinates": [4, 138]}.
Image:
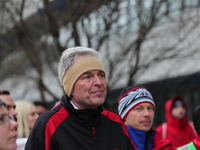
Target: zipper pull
{"type": "Point", "coordinates": [93, 131]}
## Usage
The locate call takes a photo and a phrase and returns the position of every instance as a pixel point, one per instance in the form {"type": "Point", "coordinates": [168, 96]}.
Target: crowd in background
{"type": "Point", "coordinates": [24, 114]}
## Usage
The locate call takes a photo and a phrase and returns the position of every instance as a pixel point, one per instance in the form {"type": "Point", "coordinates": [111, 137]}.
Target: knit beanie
{"type": "Point", "coordinates": [75, 71]}
{"type": "Point", "coordinates": [196, 119]}
{"type": "Point", "coordinates": [131, 97]}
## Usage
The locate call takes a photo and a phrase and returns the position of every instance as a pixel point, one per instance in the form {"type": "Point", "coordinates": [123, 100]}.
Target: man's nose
{"type": "Point", "coordinates": [97, 80]}
{"type": "Point", "coordinates": [36, 115]}
{"type": "Point", "coordinates": [13, 112]}
{"type": "Point", "coordinates": [13, 125]}
{"type": "Point", "coordinates": [146, 113]}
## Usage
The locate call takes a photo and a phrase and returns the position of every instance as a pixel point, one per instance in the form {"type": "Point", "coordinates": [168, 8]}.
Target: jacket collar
{"type": "Point", "coordinates": [86, 117]}
{"type": "Point", "coordinates": [141, 138]}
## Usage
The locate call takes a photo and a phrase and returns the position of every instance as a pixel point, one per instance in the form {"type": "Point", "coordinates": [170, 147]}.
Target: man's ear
{"type": "Point", "coordinates": [72, 93]}
{"type": "Point", "coordinates": [124, 120]}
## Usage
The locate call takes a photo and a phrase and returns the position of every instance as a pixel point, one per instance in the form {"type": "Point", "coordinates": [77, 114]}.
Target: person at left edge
{"type": "Point", "coordinates": [8, 126]}
{"type": "Point", "coordinates": [79, 121]}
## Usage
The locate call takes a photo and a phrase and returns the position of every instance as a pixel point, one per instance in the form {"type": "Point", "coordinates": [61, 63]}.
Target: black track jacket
{"type": "Point", "coordinates": [65, 128]}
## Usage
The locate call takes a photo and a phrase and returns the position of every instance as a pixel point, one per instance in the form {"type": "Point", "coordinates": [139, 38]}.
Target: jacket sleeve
{"type": "Point", "coordinates": [159, 129]}
{"type": "Point", "coordinates": [130, 144]}
{"type": "Point", "coordinates": [36, 139]}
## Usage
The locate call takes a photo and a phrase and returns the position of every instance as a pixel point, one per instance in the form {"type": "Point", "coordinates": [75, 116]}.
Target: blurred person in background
{"type": "Point", "coordinates": [177, 127]}
{"type": "Point", "coordinates": [8, 134]}
{"type": "Point", "coordinates": [5, 96]}
{"type": "Point", "coordinates": [137, 109]}
{"type": "Point", "coordinates": [195, 144]}
{"type": "Point", "coordinates": [40, 106]}
{"type": "Point", "coordinates": [26, 117]}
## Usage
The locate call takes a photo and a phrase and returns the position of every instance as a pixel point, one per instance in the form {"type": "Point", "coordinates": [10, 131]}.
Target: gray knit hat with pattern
{"type": "Point", "coordinates": [131, 97]}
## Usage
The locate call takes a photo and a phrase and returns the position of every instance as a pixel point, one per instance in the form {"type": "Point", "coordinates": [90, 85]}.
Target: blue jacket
{"type": "Point", "coordinates": [142, 139]}
{"type": "Point", "coordinates": [150, 140]}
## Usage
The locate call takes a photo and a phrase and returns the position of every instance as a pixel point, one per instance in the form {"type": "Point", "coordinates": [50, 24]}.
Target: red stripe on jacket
{"type": "Point", "coordinates": [55, 120]}
{"type": "Point", "coordinates": [114, 117]}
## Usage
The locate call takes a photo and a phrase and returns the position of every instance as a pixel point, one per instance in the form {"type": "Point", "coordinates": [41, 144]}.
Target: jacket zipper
{"type": "Point", "coordinates": [95, 138]}
{"type": "Point", "coordinates": [93, 131]}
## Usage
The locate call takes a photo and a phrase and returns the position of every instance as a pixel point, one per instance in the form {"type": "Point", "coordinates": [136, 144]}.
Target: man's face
{"type": "Point", "coordinates": [40, 109]}
{"type": "Point", "coordinates": [179, 112]}
{"type": "Point", "coordinates": [89, 90]}
{"type": "Point", "coordinates": [10, 104]}
{"type": "Point", "coordinates": [32, 116]}
{"type": "Point", "coordinates": [8, 133]}
{"type": "Point", "coordinates": [141, 117]}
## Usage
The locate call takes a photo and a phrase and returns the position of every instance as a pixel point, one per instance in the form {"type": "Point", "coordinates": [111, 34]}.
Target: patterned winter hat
{"type": "Point", "coordinates": [131, 97]}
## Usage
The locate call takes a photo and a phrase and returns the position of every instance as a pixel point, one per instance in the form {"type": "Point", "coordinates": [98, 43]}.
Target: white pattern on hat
{"type": "Point", "coordinates": [133, 98]}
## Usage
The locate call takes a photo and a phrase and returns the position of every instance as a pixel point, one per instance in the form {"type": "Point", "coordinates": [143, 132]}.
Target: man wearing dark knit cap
{"type": "Point", "coordinates": [137, 108]}
{"type": "Point", "coordinates": [79, 121]}
{"type": "Point", "coordinates": [177, 127]}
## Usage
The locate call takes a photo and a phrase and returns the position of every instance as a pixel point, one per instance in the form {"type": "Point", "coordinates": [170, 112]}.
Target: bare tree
{"type": "Point", "coordinates": [124, 32]}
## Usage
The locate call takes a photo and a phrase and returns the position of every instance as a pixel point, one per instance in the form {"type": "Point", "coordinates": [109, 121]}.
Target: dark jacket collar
{"type": "Point", "coordinates": [86, 117]}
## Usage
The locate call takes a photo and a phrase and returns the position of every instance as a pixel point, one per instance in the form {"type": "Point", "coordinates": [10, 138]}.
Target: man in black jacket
{"type": "Point", "coordinates": [79, 121]}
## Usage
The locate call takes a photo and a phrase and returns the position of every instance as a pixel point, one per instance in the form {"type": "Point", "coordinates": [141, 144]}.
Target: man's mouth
{"type": "Point", "coordinates": [13, 137]}
{"type": "Point", "coordinates": [146, 122]}
{"type": "Point", "coordinates": [97, 92]}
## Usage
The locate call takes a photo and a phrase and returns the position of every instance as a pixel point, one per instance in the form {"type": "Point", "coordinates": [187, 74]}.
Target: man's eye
{"type": "Point", "coordinates": [1, 119]}
{"type": "Point", "coordinates": [9, 107]}
{"type": "Point", "coordinates": [150, 108]}
{"type": "Point", "coordinates": [101, 75]}
{"type": "Point", "coordinates": [138, 108]}
{"type": "Point", "coordinates": [87, 77]}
